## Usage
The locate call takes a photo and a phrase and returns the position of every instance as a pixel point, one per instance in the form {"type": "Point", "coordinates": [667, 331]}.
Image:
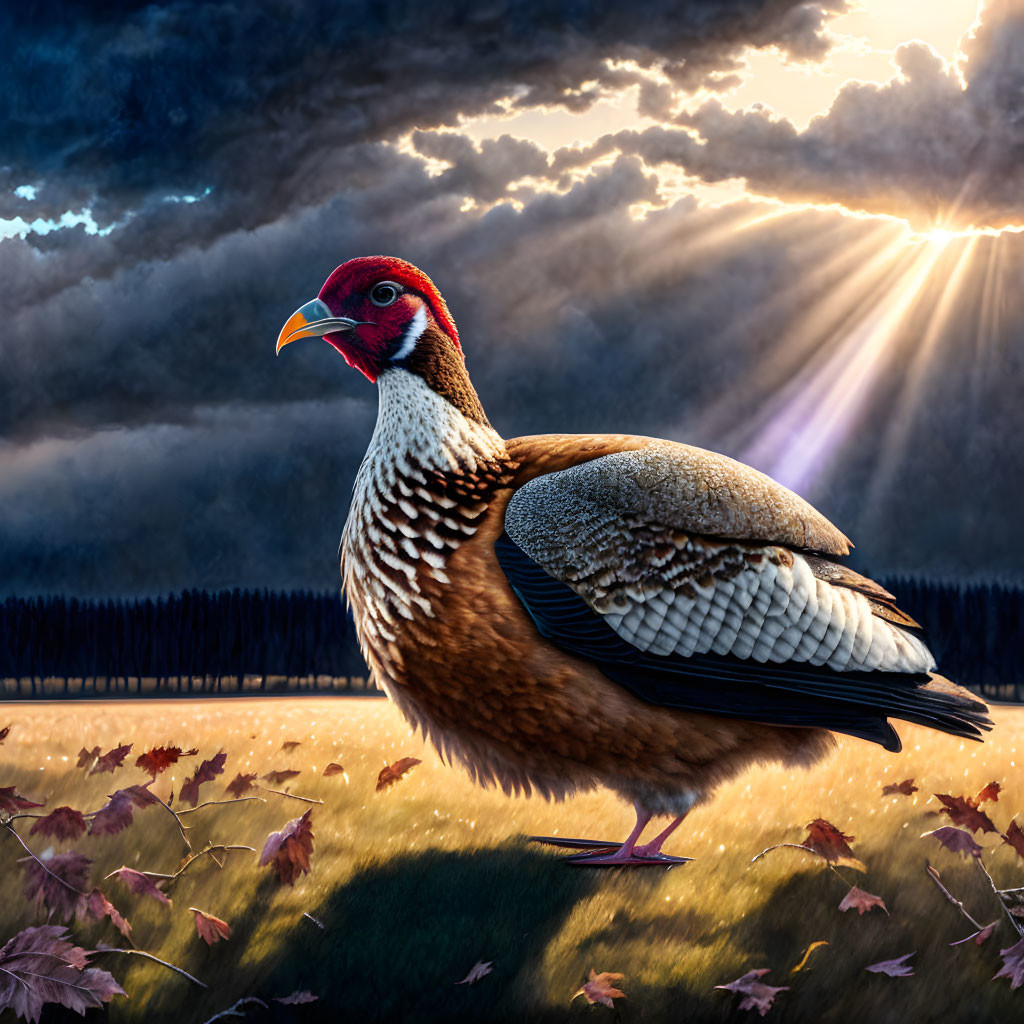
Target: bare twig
{"type": "Point", "coordinates": [192, 860]}
{"type": "Point", "coordinates": [235, 1010]}
{"type": "Point", "coordinates": [174, 814]}
{"type": "Point", "coordinates": [149, 956]}
{"type": "Point", "coordinates": [62, 881]}
{"type": "Point", "coordinates": [934, 876]}
{"type": "Point", "coordinates": [1018, 925]}
{"type": "Point", "coordinates": [234, 800]}
{"type": "Point", "coordinates": [279, 792]}
{"type": "Point", "coordinates": [316, 921]}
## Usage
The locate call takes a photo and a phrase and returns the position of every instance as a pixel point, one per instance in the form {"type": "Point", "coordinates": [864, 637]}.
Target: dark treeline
{"type": "Point", "coordinates": [189, 642]}
{"type": "Point", "coordinates": [234, 640]}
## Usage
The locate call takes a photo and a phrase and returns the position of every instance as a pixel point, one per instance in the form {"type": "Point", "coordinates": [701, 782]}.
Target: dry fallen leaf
{"type": "Point", "coordinates": [289, 745]}
{"type": "Point", "coordinates": [1013, 965]}
{"type": "Point", "coordinates": [277, 778]}
{"type": "Point", "coordinates": [897, 968]}
{"type": "Point", "coordinates": [11, 801]}
{"type": "Point", "coordinates": [60, 886]}
{"type": "Point", "coordinates": [757, 995]}
{"type": "Point", "coordinates": [297, 998]}
{"type": "Point", "coordinates": [87, 758]}
{"type": "Point", "coordinates": [904, 788]}
{"type": "Point", "coordinates": [480, 970]}
{"type": "Point", "coordinates": [209, 928]}
{"type": "Point", "coordinates": [862, 901]}
{"type": "Point", "coordinates": [206, 772]}
{"type": "Point", "coordinates": [978, 937]}
{"type": "Point", "coordinates": [289, 850]}
{"type": "Point", "coordinates": [4, 733]}
{"type": "Point", "coordinates": [62, 824]}
{"type": "Point", "coordinates": [390, 774]}
{"type": "Point", "coordinates": [241, 784]}
{"type": "Point", "coordinates": [825, 839]}
{"type": "Point", "coordinates": [116, 814]}
{"type": "Point", "coordinates": [39, 966]}
{"type": "Point", "coordinates": [600, 989]}
{"type": "Point", "coordinates": [333, 769]}
{"type": "Point", "coordinates": [159, 759]}
{"type": "Point", "coordinates": [98, 907]}
{"type": "Point", "coordinates": [137, 882]}
{"type": "Point", "coordinates": [111, 760]}
{"type": "Point", "coordinates": [990, 792]}
{"type": "Point", "coordinates": [964, 813]}
{"type": "Point", "coordinates": [956, 839]}
{"type": "Point", "coordinates": [1015, 837]}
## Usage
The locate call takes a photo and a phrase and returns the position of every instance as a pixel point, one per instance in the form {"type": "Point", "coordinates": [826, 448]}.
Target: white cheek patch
{"type": "Point", "coordinates": [412, 335]}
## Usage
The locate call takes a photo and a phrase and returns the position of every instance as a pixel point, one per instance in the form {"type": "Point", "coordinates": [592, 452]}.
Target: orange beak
{"type": "Point", "coordinates": [313, 320]}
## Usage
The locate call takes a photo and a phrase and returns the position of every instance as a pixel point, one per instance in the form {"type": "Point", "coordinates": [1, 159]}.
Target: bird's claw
{"type": "Point", "coordinates": [612, 859]}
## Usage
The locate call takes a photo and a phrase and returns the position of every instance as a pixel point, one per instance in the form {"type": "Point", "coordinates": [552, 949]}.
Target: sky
{"type": "Point", "coordinates": [788, 231]}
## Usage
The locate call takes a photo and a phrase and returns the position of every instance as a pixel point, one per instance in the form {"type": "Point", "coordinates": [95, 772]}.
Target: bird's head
{"type": "Point", "coordinates": [375, 310]}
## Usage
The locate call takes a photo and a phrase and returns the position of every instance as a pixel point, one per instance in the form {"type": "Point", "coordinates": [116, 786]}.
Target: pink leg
{"type": "Point", "coordinates": [653, 848]}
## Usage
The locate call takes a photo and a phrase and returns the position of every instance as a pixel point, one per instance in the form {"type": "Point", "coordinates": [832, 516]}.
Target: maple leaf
{"type": "Point", "coordinates": [757, 995]}
{"type": "Point", "coordinates": [57, 886]}
{"type": "Point", "coordinates": [297, 997]}
{"type": "Point", "coordinates": [956, 839]}
{"type": "Point", "coordinates": [990, 792]}
{"type": "Point", "coordinates": [964, 813]}
{"type": "Point", "coordinates": [87, 757]}
{"type": "Point", "coordinates": [63, 823]}
{"type": "Point", "coordinates": [11, 801]}
{"type": "Point", "coordinates": [159, 759]}
{"type": "Point", "coordinates": [111, 760]}
{"type": "Point", "coordinates": [333, 769]}
{"type": "Point", "coordinates": [600, 988]}
{"type": "Point", "coordinates": [862, 901]}
{"type": "Point", "coordinates": [1015, 837]}
{"type": "Point", "coordinates": [289, 850]}
{"type": "Point", "coordinates": [116, 814]}
{"type": "Point", "coordinates": [99, 907]}
{"type": "Point", "coordinates": [137, 882]}
{"type": "Point", "coordinates": [904, 788]}
{"type": "Point", "coordinates": [1013, 965]}
{"type": "Point", "coordinates": [481, 970]}
{"type": "Point", "coordinates": [4, 733]}
{"type": "Point", "coordinates": [39, 966]}
{"type": "Point", "coordinates": [824, 838]}
{"type": "Point", "coordinates": [390, 774]}
{"type": "Point", "coordinates": [276, 778]}
{"type": "Point", "coordinates": [978, 937]}
{"type": "Point", "coordinates": [289, 745]}
{"type": "Point", "coordinates": [897, 968]}
{"type": "Point", "coordinates": [206, 772]}
{"type": "Point", "coordinates": [241, 784]}
{"type": "Point", "coordinates": [209, 928]}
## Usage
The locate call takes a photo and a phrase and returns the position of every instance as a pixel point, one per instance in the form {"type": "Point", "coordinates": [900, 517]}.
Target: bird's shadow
{"type": "Point", "coordinates": [402, 931]}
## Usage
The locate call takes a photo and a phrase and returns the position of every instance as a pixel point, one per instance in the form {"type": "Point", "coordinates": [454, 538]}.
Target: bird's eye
{"type": "Point", "coordinates": [384, 293]}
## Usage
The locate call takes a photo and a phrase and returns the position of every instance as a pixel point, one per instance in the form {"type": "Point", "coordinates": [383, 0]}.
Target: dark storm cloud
{"type": "Point", "coordinates": [919, 147]}
{"type": "Point", "coordinates": [112, 105]}
{"type": "Point", "coordinates": [574, 317]}
{"type": "Point", "coordinates": [149, 439]}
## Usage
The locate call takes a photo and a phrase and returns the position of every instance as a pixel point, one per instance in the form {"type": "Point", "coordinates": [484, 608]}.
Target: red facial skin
{"type": "Point", "coordinates": [347, 293]}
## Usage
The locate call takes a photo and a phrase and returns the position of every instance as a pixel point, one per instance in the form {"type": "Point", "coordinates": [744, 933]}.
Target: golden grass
{"type": "Point", "coordinates": [417, 884]}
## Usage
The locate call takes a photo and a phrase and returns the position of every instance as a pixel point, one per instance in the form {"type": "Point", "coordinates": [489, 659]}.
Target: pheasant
{"type": "Point", "coordinates": [561, 611]}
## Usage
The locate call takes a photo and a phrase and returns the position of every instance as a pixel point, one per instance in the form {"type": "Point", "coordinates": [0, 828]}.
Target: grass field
{"type": "Point", "coordinates": [415, 885]}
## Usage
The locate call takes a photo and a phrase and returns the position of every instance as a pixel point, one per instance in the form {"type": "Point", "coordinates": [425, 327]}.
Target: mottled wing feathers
{"type": "Point", "coordinates": [676, 485]}
{"type": "Point", "coordinates": [640, 537]}
{"type": "Point", "coordinates": [792, 693]}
